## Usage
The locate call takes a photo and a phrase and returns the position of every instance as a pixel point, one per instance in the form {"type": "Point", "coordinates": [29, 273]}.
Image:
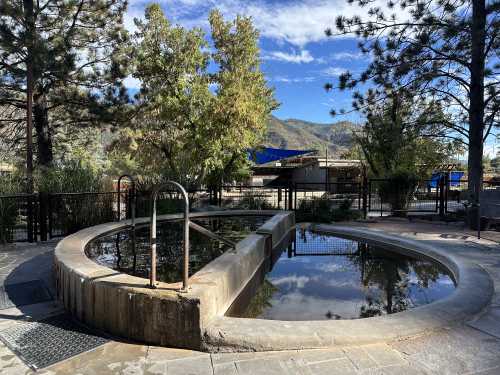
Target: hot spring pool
{"type": "Point", "coordinates": [116, 251]}
{"type": "Point", "coordinates": [322, 277]}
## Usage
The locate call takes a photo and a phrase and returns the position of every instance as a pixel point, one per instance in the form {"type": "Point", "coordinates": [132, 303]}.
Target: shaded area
{"type": "Point", "coordinates": [22, 294]}
{"type": "Point", "coordinates": [118, 252]}
{"type": "Point", "coordinates": [326, 277]}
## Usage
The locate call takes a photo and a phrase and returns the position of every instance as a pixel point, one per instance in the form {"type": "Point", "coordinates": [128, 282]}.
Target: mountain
{"type": "Point", "coordinates": [298, 134]}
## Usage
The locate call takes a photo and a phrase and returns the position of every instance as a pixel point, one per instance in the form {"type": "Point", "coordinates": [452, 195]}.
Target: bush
{"type": "Point", "coordinates": [251, 201]}
{"type": "Point", "coordinates": [74, 212]}
{"type": "Point", "coordinates": [319, 210]}
{"type": "Point", "coordinates": [397, 190]}
{"type": "Point", "coordinates": [9, 214]}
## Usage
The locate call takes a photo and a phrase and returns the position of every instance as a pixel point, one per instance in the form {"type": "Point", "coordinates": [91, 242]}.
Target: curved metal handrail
{"type": "Point", "coordinates": [154, 197]}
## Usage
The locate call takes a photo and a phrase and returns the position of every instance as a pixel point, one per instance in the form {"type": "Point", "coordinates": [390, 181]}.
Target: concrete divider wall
{"type": "Point", "coordinates": [123, 305]}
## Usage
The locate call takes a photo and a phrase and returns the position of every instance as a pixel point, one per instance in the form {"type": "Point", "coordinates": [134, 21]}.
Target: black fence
{"type": "Point", "coordinates": [26, 217]}
{"type": "Point", "coordinates": [18, 215]}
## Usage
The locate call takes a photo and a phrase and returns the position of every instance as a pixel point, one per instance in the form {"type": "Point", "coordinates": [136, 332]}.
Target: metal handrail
{"type": "Point", "coordinates": [154, 197]}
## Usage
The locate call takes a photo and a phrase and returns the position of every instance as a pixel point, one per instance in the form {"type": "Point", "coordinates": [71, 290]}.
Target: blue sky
{"type": "Point", "coordinates": [297, 57]}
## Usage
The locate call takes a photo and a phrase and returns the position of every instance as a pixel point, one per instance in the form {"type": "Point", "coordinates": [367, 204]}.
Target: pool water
{"type": "Point", "coordinates": [322, 277]}
{"type": "Point", "coordinates": [116, 251]}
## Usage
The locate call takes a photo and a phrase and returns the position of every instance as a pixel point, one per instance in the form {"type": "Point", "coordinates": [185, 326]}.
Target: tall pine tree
{"type": "Point", "coordinates": [71, 51]}
{"type": "Point", "coordinates": [444, 50]}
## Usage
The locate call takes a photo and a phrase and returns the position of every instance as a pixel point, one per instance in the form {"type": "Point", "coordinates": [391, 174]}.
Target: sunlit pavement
{"type": "Point", "coordinates": [472, 348]}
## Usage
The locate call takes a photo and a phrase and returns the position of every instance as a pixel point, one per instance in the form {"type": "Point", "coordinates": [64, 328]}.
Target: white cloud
{"type": "Point", "coordinates": [297, 23]}
{"type": "Point", "coordinates": [304, 56]}
{"type": "Point", "coordinates": [333, 71]}
{"type": "Point", "coordinates": [348, 56]}
{"type": "Point", "coordinates": [284, 79]}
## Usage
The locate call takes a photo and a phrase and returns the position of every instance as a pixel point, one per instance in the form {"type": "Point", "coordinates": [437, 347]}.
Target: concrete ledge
{"type": "Point", "coordinates": [123, 305]}
{"type": "Point", "coordinates": [473, 293]}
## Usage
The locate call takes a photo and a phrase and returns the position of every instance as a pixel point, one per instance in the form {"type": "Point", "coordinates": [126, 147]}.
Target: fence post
{"type": "Point", "coordinates": [290, 197]}
{"type": "Point", "coordinates": [365, 196]}
{"type": "Point", "coordinates": [43, 206]}
{"type": "Point", "coordinates": [30, 216]}
{"type": "Point", "coordinates": [441, 195]}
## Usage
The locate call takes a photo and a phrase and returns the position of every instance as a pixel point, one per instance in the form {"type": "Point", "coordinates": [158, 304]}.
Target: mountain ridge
{"type": "Point", "coordinates": [301, 134]}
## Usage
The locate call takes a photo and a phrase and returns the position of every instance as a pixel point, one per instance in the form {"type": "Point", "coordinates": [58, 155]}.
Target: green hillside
{"type": "Point", "coordinates": [298, 134]}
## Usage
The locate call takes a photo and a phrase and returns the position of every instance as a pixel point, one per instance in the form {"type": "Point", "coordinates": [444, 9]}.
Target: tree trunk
{"type": "Point", "coordinates": [43, 133]}
{"type": "Point", "coordinates": [476, 109]}
{"type": "Point", "coordinates": [30, 31]}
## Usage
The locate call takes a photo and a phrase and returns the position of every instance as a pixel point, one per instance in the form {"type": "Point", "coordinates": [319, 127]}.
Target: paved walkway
{"type": "Point", "coordinates": [473, 348]}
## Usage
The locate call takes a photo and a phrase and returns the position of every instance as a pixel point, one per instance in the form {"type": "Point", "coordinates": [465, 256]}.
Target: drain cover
{"type": "Point", "coordinates": [41, 344]}
{"type": "Point", "coordinates": [21, 294]}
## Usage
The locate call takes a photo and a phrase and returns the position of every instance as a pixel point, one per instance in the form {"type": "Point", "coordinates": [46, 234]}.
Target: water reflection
{"type": "Point", "coordinates": [325, 277]}
{"type": "Point", "coordinates": [117, 251]}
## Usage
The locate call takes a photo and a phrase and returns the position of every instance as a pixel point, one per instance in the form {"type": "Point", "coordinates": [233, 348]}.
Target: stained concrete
{"type": "Point", "coordinates": [125, 306]}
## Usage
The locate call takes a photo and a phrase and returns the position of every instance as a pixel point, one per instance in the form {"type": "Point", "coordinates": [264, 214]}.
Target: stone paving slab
{"type": "Point", "coordinates": [458, 351]}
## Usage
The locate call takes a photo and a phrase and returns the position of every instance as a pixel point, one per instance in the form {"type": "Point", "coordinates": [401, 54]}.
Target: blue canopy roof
{"type": "Point", "coordinates": [267, 154]}
{"type": "Point", "coordinates": [455, 178]}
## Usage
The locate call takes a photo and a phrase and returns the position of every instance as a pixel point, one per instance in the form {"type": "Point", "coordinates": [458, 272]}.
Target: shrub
{"type": "Point", "coordinates": [9, 214]}
{"type": "Point", "coordinates": [251, 201]}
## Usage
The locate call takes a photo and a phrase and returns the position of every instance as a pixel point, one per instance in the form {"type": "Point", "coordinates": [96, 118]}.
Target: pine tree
{"type": "Point", "coordinates": [442, 50]}
{"type": "Point", "coordinates": [70, 53]}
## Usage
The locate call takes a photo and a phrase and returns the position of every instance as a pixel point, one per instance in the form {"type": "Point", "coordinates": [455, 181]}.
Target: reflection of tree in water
{"type": "Point", "coordinates": [261, 300]}
{"type": "Point", "coordinates": [117, 251]}
{"type": "Point", "coordinates": [390, 273]}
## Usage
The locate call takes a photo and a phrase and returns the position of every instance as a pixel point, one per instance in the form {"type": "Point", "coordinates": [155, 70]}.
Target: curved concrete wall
{"type": "Point", "coordinates": [123, 305]}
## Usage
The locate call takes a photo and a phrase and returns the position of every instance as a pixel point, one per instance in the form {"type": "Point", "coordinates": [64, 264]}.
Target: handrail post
{"type": "Point", "coordinates": [134, 198]}
{"type": "Point", "coordinates": [154, 197]}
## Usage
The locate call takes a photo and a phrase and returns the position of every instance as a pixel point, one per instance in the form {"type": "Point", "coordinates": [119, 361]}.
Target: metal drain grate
{"type": "Point", "coordinates": [41, 344]}
{"type": "Point", "coordinates": [21, 294]}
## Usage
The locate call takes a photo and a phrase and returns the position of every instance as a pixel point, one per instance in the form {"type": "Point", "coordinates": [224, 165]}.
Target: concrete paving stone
{"type": "Point", "coordinates": [457, 351]}
{"type": "Point", "coordinates": [319, 355]}
{"type": "Point", "coordinates": [342, 366]}
{"type": "Point", "coordinates": [111, 358]}
{"type": "Point", "coordinates": [222, 358]}
{"type": "Point", "coordinates": [262, 366]}
{"type": "Point", "coordinates": [225, 369]}
{"type": "Point", "coordinates": [489, 322]}
{"type": "Point", "coordinates": [360, 358]}
{"type": "Point", "coordinates": [490, 371]}
{"type": "Point", "coordinates": [384, 355]}
{"type": "Point", "coordinates": [190, 366]}
{"type": "Point", "coordinates": [10, 364]}
{"type": "Point", "coordinates": [396, 370]}
{"type": "Point", "coordinates": [158, 358]}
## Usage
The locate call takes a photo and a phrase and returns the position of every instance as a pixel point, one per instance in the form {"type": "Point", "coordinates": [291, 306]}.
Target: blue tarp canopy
{"type": "Point", "coordinates": [267, 154]}
{"type": "Point", "coordinates": [455, 178]}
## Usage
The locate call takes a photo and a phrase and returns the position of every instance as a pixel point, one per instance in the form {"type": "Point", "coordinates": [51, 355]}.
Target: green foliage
{"type": "Point", "coordinates": [438, 50]}
{"type": "Point", "coordinates": [73, 177]}
{"type": "Point", "coordinates": [319, 210]}
{"type": "Point", "coordinates": [397, 190]}
{"type": "Point", "coordinates": [195, 124]}
{"type": "Point", "coordinates": [251, 201]}
{"type": "Point", "coordinates": [76, 54]}
{"type": "Point", "coordinates": [9, 185]}
{"type": "Point", "coordinates": [396, 136]}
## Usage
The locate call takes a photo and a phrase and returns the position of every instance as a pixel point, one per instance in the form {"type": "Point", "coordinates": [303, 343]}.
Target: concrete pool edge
{"type": "Point", "coordinates": [124, 306]}
{"type": "Point", "coordinates": [473, 293]}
